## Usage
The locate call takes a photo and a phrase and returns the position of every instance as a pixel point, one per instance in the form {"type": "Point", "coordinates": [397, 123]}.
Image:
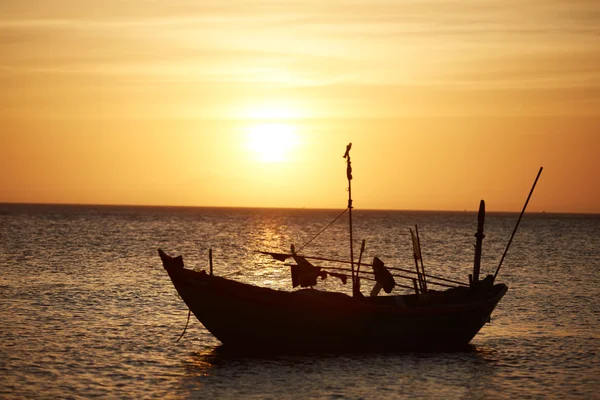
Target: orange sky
{"type": "Point", "coordinates": [446, 102]}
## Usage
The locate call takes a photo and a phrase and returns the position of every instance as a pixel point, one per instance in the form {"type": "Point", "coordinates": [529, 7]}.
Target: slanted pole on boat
{"type": "Point", "coordinates": [416, 256]}
{"type": "Point", "coordinates": [421, 258]}
{"type": "Point", "coordinates": [479, 243]}
{"type": "Point", "coordinates": [349, 176]}
{"type": "Point", "coordinates": [518, 221]}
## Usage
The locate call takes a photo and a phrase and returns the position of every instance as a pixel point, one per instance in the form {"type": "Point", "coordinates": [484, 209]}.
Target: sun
{"type": "Point", "coordinates": [272, 142]}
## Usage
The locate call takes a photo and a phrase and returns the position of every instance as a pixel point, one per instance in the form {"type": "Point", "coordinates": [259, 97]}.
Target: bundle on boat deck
{"type": "Point", "coordinates": [241, 315]}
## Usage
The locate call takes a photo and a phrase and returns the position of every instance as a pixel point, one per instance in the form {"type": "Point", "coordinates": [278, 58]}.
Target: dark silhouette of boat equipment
{"type": "Point", "coordinates": [248, 317]}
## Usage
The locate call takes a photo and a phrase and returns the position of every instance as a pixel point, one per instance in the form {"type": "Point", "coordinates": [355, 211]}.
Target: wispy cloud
{"type": "Point", "coordinates": [307, 47]}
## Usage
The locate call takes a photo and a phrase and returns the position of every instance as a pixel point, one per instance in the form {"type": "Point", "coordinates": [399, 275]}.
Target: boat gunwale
{"type": "Point", "coordinates": [195, 279]}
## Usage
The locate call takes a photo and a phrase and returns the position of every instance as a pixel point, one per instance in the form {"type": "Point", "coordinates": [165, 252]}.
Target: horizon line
{"type": "Point", "coordinates": [291, 208]}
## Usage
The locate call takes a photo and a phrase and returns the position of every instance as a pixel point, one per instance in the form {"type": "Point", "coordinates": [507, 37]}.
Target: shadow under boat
{"type": "Point", "coordinates": [224, 352]}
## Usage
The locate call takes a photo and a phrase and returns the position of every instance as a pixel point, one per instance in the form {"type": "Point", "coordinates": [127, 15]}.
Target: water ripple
{"type": "Point", "coordinates": [86, 309]}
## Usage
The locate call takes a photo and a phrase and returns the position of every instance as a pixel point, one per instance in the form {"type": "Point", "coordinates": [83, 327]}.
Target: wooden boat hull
{"type": "Point", "coordinates": [250, 317]}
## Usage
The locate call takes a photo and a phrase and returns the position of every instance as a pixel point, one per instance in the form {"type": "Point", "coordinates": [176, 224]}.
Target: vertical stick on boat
{"type": "Point", "coordinates": [421, 258]}
{"type": "Point", "coordinates": [416, 258]}
{"type": "Point", "coordinates": [362, 250]}
{"type": "Point", "coordinates": [479, 243]}
{"type": "Point", "coordinates": [518, 221]}
{"type": "Point", "coordinates": [210, 261]}
{"type": "Point", "coordinates": [349, 176]}
{"type": "Point", "coordinates": [415, 286]}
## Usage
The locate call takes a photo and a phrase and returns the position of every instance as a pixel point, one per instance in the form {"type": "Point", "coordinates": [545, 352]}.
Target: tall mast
{"type": "Point", "coordinates": [349, 175]}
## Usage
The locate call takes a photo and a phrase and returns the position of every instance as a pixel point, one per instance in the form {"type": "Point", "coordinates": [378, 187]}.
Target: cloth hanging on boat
{"type": "Point", "coordinates": [383, 276]}
{"type": "Point", "coordinates": [376, 289]}
{"type": "Point", "coordinates": [342, 277]}
{"type": "Point", "coordinates": [349, 167]}
{"type": "Point", "coordinates": [304, 273]}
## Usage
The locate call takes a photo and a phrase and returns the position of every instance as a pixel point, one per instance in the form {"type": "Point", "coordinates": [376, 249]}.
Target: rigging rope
{"type": "Point", "coordinates": [186, 325]}
{"type": "Point", "coordinates": [322, 230]}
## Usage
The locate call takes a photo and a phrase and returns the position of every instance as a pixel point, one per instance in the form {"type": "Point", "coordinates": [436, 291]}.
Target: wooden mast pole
{"type": "Point", "coordinates": [349, 175]}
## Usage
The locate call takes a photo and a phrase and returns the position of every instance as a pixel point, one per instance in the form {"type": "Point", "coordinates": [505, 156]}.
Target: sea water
{"type": "Point", "coordinates": [86, 309]}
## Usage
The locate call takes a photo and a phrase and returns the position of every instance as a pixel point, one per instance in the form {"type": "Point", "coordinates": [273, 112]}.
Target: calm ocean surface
{"type": "Point", "coordinates": [86, 309]}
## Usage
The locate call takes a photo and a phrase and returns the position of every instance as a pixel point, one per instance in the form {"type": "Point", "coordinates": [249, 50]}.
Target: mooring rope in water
{"type": "Point", "coordinates": [322, 230]}
{"type": "Point", "coordinates": [186, 325]}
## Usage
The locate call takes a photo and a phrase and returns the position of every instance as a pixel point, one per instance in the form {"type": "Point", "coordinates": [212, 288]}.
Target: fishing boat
{"type": "Point", "coordinates": [245, 316]}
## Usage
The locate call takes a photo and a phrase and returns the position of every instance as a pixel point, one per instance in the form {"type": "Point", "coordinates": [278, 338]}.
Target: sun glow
{"type": "Point", "coordinates": [272, 142]}
{"type": "Point", "coordinates": [279, 110]}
